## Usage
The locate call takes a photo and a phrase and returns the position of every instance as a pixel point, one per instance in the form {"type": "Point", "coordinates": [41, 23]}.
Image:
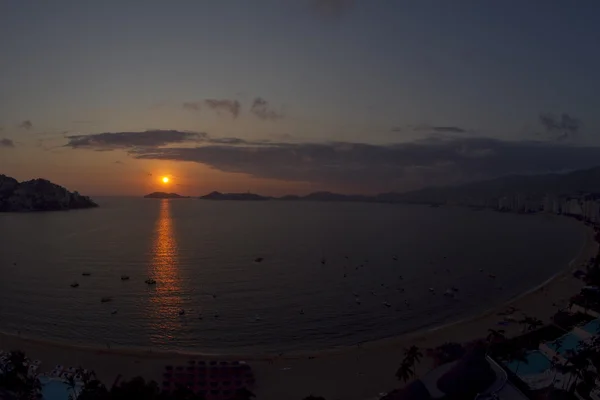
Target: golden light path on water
{"type": "Point", "coordinates": [165, 300]}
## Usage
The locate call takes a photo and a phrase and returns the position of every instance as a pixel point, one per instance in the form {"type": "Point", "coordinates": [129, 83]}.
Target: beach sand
{"type": "Point", "coordinates": [351, 373]}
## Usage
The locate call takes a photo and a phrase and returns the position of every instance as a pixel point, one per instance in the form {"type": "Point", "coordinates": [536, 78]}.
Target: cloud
{"type": "Point", "coordinates": [430, 128]}
{"type": "Point", "coordinates": [231, 106]}
{"type": "Point", "coordinates": [192, 105]}
{"type": "Point", "coordinates": [403, 166]}
{"type": "Point", "coordinates": [331, 9]}
{"type": "Point", "coordinates": [27, 125]}
{"type": "Point", "coordinates": [560, 128]}
{"type": "Point", "coordinates": [6, 143]}
{"type": "Point", "coordinates": [260, 108]}
{"type": "Point", "coordinates": [450, 129]}
{"type": "Point", "coordinates": [130, 140]}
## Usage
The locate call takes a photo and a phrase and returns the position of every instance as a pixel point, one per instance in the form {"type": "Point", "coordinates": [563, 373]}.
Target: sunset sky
{"type": "Point", "coordinates": [276, 96]}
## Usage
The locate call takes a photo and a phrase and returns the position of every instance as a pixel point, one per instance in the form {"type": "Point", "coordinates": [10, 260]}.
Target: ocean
{"type": "Point", "coordinates": [332, 274]}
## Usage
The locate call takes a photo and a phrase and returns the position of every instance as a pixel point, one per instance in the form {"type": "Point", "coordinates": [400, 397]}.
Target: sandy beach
{"type": "Point", "coordinates": [352, 373]}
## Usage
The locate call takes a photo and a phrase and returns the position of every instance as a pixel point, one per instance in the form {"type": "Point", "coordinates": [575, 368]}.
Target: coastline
{"type": "Point", "coordinates": [369, 366]}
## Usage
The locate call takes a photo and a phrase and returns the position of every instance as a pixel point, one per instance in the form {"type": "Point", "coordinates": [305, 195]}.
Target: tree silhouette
{"type": "Point", "coordinates": [404, 372]}
{"type": "Point", "coordinates": [243, 394]}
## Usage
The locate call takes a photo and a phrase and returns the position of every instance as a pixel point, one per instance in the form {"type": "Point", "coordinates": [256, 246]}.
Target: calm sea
{"type": "Point", "coordinates": [332, 274]}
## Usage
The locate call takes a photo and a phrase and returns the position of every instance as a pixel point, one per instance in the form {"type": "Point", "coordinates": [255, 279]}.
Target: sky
{"type": "Point", "coordinates": [294, 96]}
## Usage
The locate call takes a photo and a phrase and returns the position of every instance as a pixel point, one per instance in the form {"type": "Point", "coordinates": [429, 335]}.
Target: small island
{"type": "Point", "coordinates": [164, 195]}
{"type": "Point", "coordinates": [38, 195]}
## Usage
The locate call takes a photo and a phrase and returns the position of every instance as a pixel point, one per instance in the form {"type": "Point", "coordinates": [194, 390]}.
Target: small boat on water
{"type": "Point", "coordinates": [113, 312]}
{"type": "Point", "coordinates": [124, 277]}
{"type": "Point", "coordinates": [105, 299]}
{"type": "Point", "coordinates": [150, 281]}
{"type": "Point", "coordinates": [258, 259]}
{"type": "Point", "coordinates": [385, 303]}
{"type": "Point", "coordinates": [74, 284]}
{"type": "Point", "coordinates": [432, 290]}
{"type": "Point", "coordinates": [449, 293]}
{"type": "Point", "coordinates": [85, 274]}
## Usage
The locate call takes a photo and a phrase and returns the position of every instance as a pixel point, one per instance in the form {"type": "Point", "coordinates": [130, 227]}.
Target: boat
{"type": "Point", "coordinates": [449, 293]}
{"type": "Point", "coordinates": [385, 303]}
{"type": "Point", "coordinates": [113, 312]}
{"type": "Point", "coordinates": [124, 277]}
{"type": "Point", "coordinates": [105, 299]}
{"type": "Point", "coordinates": [85, 274]}
{"type": "Point", "coordinates": [74, 284]}
{"type": "Point", "coordinates": [150, 281]}
{"type": "Point", "coordinates": [432, 290]}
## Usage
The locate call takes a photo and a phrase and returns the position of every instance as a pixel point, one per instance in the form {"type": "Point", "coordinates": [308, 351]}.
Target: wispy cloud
{"type": "Point", "coordinates": [331, 9]}
{"type": "Point", "coordinates": [450, 129]}
{"type": "Point", "coordinates": [230, 106]}
{"type": "Point", "coordinates": [130, 140]}
{"type": "Point", "coordinates": [192, 105]}
{"type": "Point", "coordinates": [384, 167]}
{"type": "Point", "coordinates": [430, 128]}
{"type": "Point", "coordinates": [560, 127]}
{"type": "Point", "coordinates": [260, 108]}
{"type": "Point", "coordinates": [27, 125]}
{"type": "Point", "coordinates": [6, 143]}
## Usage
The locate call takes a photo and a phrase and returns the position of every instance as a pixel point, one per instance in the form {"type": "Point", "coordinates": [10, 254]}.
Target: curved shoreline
{"type": "Point", "coordinates": [346, 373]}
{"type": "Point", "coordinates": [586, 246]}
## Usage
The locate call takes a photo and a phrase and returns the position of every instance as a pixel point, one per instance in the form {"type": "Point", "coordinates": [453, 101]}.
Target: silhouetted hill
{"type": "Point", "coordinates": [534, 187]}
{"type": "Point", "coordinates": [38, 195]}
{"type": "Point", "coordinates": [164, 195]}
{"type": "Point", "coordinates": [233, 196]}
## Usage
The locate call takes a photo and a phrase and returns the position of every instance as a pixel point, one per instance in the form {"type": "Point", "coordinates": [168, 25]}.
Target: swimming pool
{"type": "Point", "coordinates": [592, 327]}
{"type": "Point", "coordinates": [570, 341]}
{"type": "Point", "coordinates": [536, 364]}
{"type": "Point", "coordinates": [55, 390]}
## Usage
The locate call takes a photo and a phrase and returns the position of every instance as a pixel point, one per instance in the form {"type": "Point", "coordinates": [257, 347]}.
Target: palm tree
{"type": "Point", "coordinates": [534, 323]}
{"type": "Point", "coordinates": [404, 373]}
{"type": "Point", "coordinates": [17, 378]}
{"type": "Point", "coordinates": [413, 355]}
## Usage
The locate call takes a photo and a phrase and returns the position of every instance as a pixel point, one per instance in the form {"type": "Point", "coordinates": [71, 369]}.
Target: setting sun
{"type": "Point", "coordinates": [165, 179]}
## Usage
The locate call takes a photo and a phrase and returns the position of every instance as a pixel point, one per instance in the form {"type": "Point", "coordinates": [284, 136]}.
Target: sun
{"type": "Point", "coordinates": [165, 179]}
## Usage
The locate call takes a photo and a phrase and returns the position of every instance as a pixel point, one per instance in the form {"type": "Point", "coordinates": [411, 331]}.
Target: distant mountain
{"type": "Point", "coordinates": [478, 194]}
{"type": "Point", "coordinates": [534, 187]}
{"type": "Point", "coordinates": [164, 195]}
{"type": "Point", "coordinates": [233, 196]}
{"type": "Point", "coordinates": [38, 195]}
{"type": "Point", "coordinates": [328, 196]}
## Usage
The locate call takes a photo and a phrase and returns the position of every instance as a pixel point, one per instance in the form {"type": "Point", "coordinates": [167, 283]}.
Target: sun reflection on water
{"type": "Point", "coordinates": [165, 300]}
